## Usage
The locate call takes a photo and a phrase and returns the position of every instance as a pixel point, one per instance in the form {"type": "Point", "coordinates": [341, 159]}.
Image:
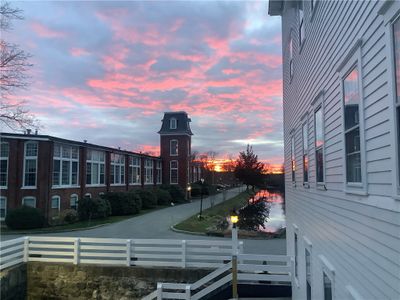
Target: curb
{"type": "Point", "coordinates": [185, 231]}
{"type": "Point", "coordinates": [55, 231]}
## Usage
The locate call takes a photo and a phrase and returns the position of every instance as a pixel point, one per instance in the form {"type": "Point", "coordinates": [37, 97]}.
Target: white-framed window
{"type": "Point", "coordinates": [173, 166]}
{"type": "Point", "coordinates": [117, 169]}
{"type": "Point", "coordinates": [88, 195]}
{"type": "Point", "coordinates": [301, 23]}
{"type": "Point", "coordinates": [4, 152]}
{"type": "Point", "coordinates": [3, 207]}
{"type": "Point", "coordinates": [173, 123]}
{"type": "Point", "coordinates": [328, 278]}
{"type": "Point", "coordinates": [148, 171]}
{"type": "Point", "coordinates": [173, 147]}
{"type": "Point", "coordinates": [312, 5]}
{"type": "Point", "coordinates": [353, 122]}
{"type": "Point", "coordinates": [95, 167]}
{"type": "Point", "coordinates": [159, 172]}
{"type": "Point", "coordinates": [293, 158]}
{"type": "Point", "coordinates": [73, 201]}
{"type": "Point", "coordinates": [55, 202]}
{"type": "Point", "coordinates": [65, 165]}
{"type": "Point", "coordinates": [319, 145]}
{"type": "Point", "coordinates": [30, 164]}
{"type": "Point", "coordinates": [29, 201]}
{"type": "Point", "coordinates": [304, 131]}
{"type": "Point", "coordinates": [134, 170]}
{"type": "Point", "coordinates": [290, 56]}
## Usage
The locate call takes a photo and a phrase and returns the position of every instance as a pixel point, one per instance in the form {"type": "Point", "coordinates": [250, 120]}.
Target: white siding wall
{"type": "Point", "coordinates": [359, 235]}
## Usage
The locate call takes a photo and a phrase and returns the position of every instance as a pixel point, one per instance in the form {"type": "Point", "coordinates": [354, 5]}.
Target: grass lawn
{"type": "Point", "coordinates": [79, 225]}
{"type": "Point", "coordinates": [213, 215]}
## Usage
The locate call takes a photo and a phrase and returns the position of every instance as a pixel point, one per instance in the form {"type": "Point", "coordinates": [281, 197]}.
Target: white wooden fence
{"type": "Point", "coordinates": [139, 252]}
{"type": "Point", "coordinates": [251, 268]}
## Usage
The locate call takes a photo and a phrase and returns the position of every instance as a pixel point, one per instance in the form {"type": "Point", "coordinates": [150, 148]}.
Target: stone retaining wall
{"type": "Point", "coordinates": [66, 281]}
{"type": "Point", "coordinates": [13, 283]}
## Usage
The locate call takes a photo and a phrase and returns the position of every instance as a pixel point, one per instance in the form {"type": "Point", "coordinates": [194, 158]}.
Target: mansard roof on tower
{"type": "Point", "coordinates": [176, 122]}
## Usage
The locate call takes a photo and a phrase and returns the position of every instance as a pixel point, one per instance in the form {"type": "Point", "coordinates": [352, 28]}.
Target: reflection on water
{"type": "Point", "coordinates": [276, 204]}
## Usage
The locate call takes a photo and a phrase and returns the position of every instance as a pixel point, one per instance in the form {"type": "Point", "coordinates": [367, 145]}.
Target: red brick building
{"type": "Point", "coordinates": [52, 173]}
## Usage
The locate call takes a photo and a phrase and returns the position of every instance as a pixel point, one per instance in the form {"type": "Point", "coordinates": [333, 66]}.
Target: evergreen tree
{"type": "Point", "coordinates": [248, 169]}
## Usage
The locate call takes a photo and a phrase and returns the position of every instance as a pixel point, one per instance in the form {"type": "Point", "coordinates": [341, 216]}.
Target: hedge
{"type": "Point", "coordinates": [163, 197]}
{"type": "Point", "coordinates": [123, 203]}
{"type": "Point", "coordinates": [149, 199]}
{"type": "Point", "coordinates": [25, 217]}
{"type": "Point", "coordinates": [95, 208]}
{"type": "Point", "coordinates": [177, 194]}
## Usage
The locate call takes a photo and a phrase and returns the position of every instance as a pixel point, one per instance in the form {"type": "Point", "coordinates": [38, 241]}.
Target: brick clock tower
{"type": "Point", "coordinates": [175, 144]}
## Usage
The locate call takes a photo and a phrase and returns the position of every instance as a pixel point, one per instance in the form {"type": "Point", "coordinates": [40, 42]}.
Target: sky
{"type": "Point", "coordinates": [106, 72]}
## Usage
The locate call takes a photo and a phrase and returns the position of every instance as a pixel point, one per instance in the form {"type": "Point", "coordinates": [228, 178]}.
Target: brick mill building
{"type": "Point", "coordinates": [52, 173]}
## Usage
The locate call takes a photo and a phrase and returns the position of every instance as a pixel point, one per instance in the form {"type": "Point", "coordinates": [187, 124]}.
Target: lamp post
{"type": "Point", "coordinates": [189, 196]}
{"type": "Point", "coordinates": [234, 220]}
{"type": "Point", "coordinates": [201, 197]}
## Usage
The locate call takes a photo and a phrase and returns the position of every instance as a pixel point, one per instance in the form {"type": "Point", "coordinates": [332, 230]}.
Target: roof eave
{"type": "Point", "coordinates": [275, 7]}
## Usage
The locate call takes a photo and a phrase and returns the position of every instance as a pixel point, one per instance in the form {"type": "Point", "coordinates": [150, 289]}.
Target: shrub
{"type": "Point", "coordinates": [123, 203]}
{"type": "Point", "coordinates": [149, 200]}
{"type": "Point", "coordinates": [163, 197]}
{"type": "Point", "coordinates": [96, 208]}
{"type": "Point", "coordinates": [25, 217]}
{"type": "Point", "coordinates": [207, 189]}
{"type": "Point", "coordinates": [177, 194]}
{"type": "Point", "coordinates": [69, 216]}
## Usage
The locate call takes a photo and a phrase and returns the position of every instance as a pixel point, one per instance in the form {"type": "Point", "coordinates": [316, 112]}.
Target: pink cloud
{"type": "Point", "coordinates": [46, 32]}
{"type": "Point", "coordinates": [78, 52]}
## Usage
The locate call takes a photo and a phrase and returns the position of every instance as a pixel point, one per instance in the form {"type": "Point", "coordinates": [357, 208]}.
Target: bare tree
{"type": "Point", "coordinates": [14, 63]}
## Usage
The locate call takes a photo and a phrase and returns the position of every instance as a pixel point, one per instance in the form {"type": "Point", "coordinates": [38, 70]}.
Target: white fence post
{"type": "Point", "coordinates": [26, 249]}
{"type": "Point", "coordinates": [240, 251]}
{"type": "Point", "coordinates": [292, 271]}
{"type": "Point", "coordinates": [76, 251]}
{"type": "Point", "coordinates": [183, 254]}
{"type": "Point", "coordinates": [187, 292]}
{"type": "Point", "coordinates": [128, 252]}
{"type": "Point", "coordinates": [159, 291]}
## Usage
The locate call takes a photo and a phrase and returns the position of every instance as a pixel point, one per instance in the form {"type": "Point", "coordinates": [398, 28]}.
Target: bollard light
{"type": "Point", "coordinates": [234, 218]}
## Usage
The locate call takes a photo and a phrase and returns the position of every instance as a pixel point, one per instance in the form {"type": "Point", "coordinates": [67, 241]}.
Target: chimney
{"type": "Point", "coordinates": [36, 132]}
{"type": "Point", "coordinates": [28, 131]}
{"type": "Point", "coordinates": [85, 141]}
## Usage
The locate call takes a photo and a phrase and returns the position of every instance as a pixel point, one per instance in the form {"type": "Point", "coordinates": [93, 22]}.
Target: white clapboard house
{"type": "Point", "coordinates": [341, 102]}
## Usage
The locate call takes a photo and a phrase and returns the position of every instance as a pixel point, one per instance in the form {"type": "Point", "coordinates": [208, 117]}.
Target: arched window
{"type": "Point", "coordinates": [89, 195]}
{"type": "Point", "coordinates": [173, 149]}
{"type": "Point", "coordinates": [29, 201]}
{"type": "Point", "coordinates": [73, 201]}
{"type": "Point", "coordinates": [55, 202]}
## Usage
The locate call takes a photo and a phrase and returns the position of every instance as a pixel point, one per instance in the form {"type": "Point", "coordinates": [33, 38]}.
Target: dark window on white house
{"type": "Point", "coordinates": [396, 39]}
{"type": "Point", "coordinates": [352, 126]}
{"type": "Point", "coordinates": [301, 24]}
{"type": "Point", "coordinates": [296, 256]}
{"type": "Point", "coordinates": [327, 287]}
{"type": "Point", "coordinates": [319, 145]}
{"type": "Point", "coordinates": [293, 159]}
{"type": "Point", "coordinates": [290, 57]}
{"type": "Point", "coordinates": [305, 152]}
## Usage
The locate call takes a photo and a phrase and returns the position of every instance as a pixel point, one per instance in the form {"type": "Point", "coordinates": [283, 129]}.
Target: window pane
{"type": "Point", "coordinates": [174, 164]}
{"type": "Point", "coordinates": [74, 202]}
{"type": "Point", "coordinates": [55, 202]}
{"type": "Point", "coordinates": [305, 138]}
{"type": "Point", "coordinates": [351, 99]}
{"type": "Point", "coordinates": [327, 288]}
{"type": "Point", "coordinates": [66, 152]}
{"type": "Point", "coordinates": [88, 173]}
{"type": "Point", "coordinates": [174, 148]}
{"type": "Point", "coordinates": [293, 159]}
{"type": "Point", "coordinates": [305, 168]}
{"type": "Point", "coordinates": [31, 149]}
{"type": "Point", "coordinates": [29, 201]}
{"type": "Point", "coordinates": [2, 207]}
{"type": "Point", "coordinates": [65, 173]}
{"type": "Point", "coordinates": [75, 152]}
{"type": "Point", "coordinates": [353, 156]}
{"type": "Point", "coordinates": [3, 172]}
{"type": "Point", "coordinates": [4, 150]}
{"type": "Point", "coordinates": [101, 174]}
{"type": "Point", "coordinates": [319, 137]}
{"type": "Point", "coordinates": [56, 172]}
{"type": "Point", "coordinates": [319, 165]}
{"type": "Point", "coordinates": [95, 173]}
{"type": "Point", "coordinates": [396, 33]}
{"type": "Point", "coordinates": [74, 173]}
{"type": "Point", "coordinates": [174, 176]}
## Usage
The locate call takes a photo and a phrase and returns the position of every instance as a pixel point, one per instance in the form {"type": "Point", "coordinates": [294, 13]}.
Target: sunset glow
{"type": "Point", "coordinates": [107, 71]}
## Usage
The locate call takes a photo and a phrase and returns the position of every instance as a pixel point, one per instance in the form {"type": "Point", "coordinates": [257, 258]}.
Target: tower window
{"type": "Point", "coordinates": [172, 123]}
{"type": "Point", "coordinates": [174, 172]}
{"type": "Point", "coordinates": [173, 147]}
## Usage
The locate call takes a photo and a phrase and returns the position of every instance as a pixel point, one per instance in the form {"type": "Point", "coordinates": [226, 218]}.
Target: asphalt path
{"type": "Point", "coordinates": [157, 225]}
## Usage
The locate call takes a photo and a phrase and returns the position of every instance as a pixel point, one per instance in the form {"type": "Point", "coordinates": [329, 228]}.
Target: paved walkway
{"type": "Point", "coordinates": [156, 225]}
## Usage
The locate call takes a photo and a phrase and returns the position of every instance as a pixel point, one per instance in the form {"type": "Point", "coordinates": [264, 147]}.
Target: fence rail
{"type": "Point", "coordinates": [123, 252]}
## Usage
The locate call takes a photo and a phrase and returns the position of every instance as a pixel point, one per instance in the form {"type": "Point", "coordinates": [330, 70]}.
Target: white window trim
{"type": "Point", "coordinates": [30, 157]}
{"type": "Point", "coordinates": [308, 247]}
{"type": "Point", "coordinates": [59, 202]}
{"type": "Point", "coordinates": [70, 160]}
{"type": "Point", "coordinates": [113, 165]}
{"type": "Point", "coordinates": [146, 167]}
{"type": "Point", "coordinates": [5, 207]}
{"type": "Point", "coordinates": [8, 165]}
{"type": "Point", "coordinates": [77, 200]}
{"type": "Point", "coordinates": [24, 198]}
{"type": "Point", "coordinates": [329, 271]}
{"type": "Point", "coordinates": [170, 148]}
{"type": "Point", "coordinates": [88, 195]}
{"type": "Point", "coordinates": [131, 168]}
{"type": "Point", "coordinates": [318, 103]}
{"type": "Point", "coordinates": [177, 172]}
{"type": "Point", "coordinates": [173, 121]}
{"type": "Point", "coordinates": [302, 38]}
{"type": "Point", "coordinates": [313, 9]}
{"type": "Point", "coordinates": [351, 61]}
{"type": "Point", "coordinates": [391, 12]}
{"type": "Point", "coordinates": [295, 278]}
{"type": "Point", "coordinates": [99, 163]}
{"type": "Point", "coordinates": [291, 60]}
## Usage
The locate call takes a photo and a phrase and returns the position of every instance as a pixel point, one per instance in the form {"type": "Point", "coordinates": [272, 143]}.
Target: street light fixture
{"type": "Point", "coordinates": [201, 198]}
{"type": "Point", "coordinates": [234, 220]}
{"type": "Point", "coordinates": [189, 196]}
